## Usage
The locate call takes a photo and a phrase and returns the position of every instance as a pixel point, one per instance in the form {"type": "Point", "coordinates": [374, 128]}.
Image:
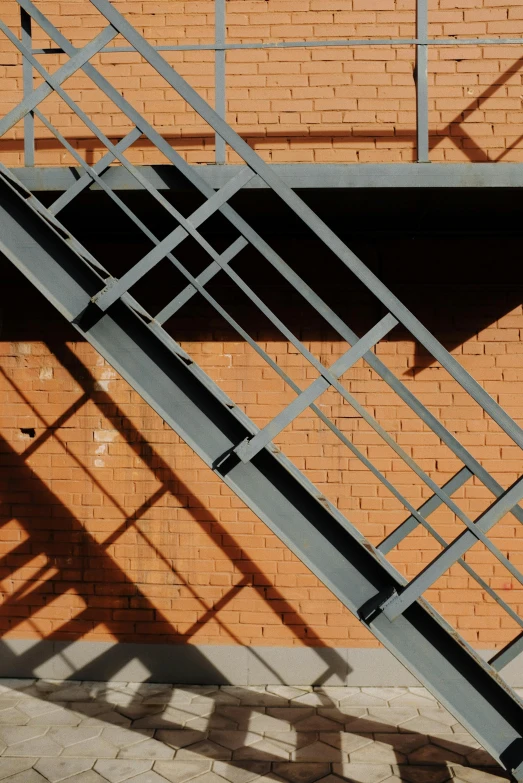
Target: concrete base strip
{"type": "Point", "coordinates": [211, 664]}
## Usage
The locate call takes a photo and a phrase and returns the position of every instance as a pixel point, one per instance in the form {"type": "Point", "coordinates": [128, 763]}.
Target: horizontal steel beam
{"type": "Point", "coordinates": [305, 176]}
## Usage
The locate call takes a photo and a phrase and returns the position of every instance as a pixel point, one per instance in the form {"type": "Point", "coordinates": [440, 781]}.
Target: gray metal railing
{"type": "Point", "coordinates": [113, 289]}
{"type": "Point", "coordinates": [421, 42]}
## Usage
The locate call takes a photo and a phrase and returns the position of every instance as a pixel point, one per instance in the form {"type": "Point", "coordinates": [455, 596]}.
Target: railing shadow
{"type": "Point", "coordinates": [288, 733]}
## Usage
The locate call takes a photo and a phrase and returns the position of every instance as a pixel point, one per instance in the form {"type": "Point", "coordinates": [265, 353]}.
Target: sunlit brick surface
{"type": "Point", "coordinates": [335, 105]}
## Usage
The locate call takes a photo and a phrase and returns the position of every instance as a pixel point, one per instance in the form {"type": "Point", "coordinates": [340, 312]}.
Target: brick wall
{"type": "Point", "coordinates": [324, 105]}
{"type": "Point", "coordinates": [111, 528]}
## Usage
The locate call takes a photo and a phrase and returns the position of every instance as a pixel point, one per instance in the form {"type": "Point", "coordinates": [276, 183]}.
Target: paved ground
{"type": "Point", "coordinates": [86, 732]}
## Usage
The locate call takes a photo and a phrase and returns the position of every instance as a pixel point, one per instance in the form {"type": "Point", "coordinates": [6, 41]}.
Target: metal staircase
{"type": "Point", "coordinates": [107, 315]}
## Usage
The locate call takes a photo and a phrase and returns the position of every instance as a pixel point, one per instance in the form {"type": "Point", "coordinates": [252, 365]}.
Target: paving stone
{"type": "Point", "coordinates": [40, 746]}
{"type": "Point", "coordinates": [179, 738]}
{"type": "Point", "coordinates": [87, 708]}
{"type": "Point", "coordinates": [58, 717]}
{"type": "Point", "coordinates": [205, 748]}
{"type": "Point", "coordinates": [234, 739]}
{"type": "Point", "coordinates": [318, 751]}
{"type": "Point", "coordinates": [60, 769]}
{"type": "Point", "coordinates": [291, 714]}
{"type": "Point", "coordinates": [362, 773]}
{"type": "Point", "coordinates": [293, 739]}
{"type": "Point", "coordinates": [345, 741]}
{"type": "Point", "coordinates": [385, 693]}
{"type": "Point", "coordinates": [13, 717]}
{"type": "Point", "coordinates": [112, 717]}
{"type": "Point", "coordinates": [92, 748]}
{"type": "Point", "coordinates": [137, 711]}
{"type": "Point", "coordinates": [27, 776]}
{"type": "Point", "coordinates": [313, 699]}
{"type": "Point", "coordinates": [122, 738]}
{"type": "Point", "coordinates": [261, 723]}
{"type": "Point", "coordinates": [34, 707]}
{"type": "Point", "coordinates": [249, 770]}
{"type": "Point", "coordinates": [117, 770]}
{"type": "Point", "coordinates": [480, 758]}
{"type": "Point", "coordinates": [240, 715]}
{"type": "Point", "coordinates": [365, 700]}
{"type": "Point", "coordinates": [333, 713]}
{"type": "Point", "coordinates": [212, 722]}
{"type": "Point", "coordinates": [416, 774]}
{"type": "Point", "coordinates": [286, 691]}
{"type": "Point", "coordinates": [180, 771]}
{"type": "Point", "coordinates": [393, 716]}
{"type": "Point", "coordinates": [168, 719]}
{"type": "Point", "coordinates": [477, 775]}
{"type": "Point", "coordinates": [434, 754]}
{"type": "Point", "coordinates": [72, 693]}
{"type": "Point", "coordinates": [12, 734]}
{"type": "Point", "coordinates": [8, 704]}
{"type": "Point", "coordinates": [377, 753]}
{"type": "Point", "coordinates": [425, 726]}
{"type": "Point", "coordinates": [252, 696]}
{"type": "Point", "coordinates": [298, 772]}
{"type": "Point", "coordinates": [413, 700]}
{"type": "Point", "coordinates": [149, 749]}
{"type": "Point", "coordinates": [87, 777]}
{"type": "Point", "coordinates": [316, 723]}
{"type": "Point", "coordinates": [458, 743]}
{"type": "Point", "coordinates": [439, 714]}
{"type": "Point", "coordinates": [11, 766]}
{"type": "Point", "coordinates": [266, 750]}
{"type": "Point", "coordinates": [405, 743]}
{"type": "Point", "coordinates": [339, 693]}
{"type": "Point", "coordinates": [207, 777]}
{"type": "Point", "coordinates": [198, 708]}
{"type": "Point", "coordinates": [71, 735]}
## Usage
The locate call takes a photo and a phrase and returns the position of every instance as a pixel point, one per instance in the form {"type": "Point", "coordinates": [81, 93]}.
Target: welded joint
{"type": "Point", "coordinates": [377, 604]}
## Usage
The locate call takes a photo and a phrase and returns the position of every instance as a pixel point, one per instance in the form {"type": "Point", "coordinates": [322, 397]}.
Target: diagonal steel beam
{"type": "Point", "coordinates": [322, 231]}
{"type": "Point", "coordinates": [275, 260]}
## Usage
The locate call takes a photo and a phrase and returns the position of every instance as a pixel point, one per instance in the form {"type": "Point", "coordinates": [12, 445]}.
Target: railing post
{"type": "Point", "coordinates": [219, 74]}
{"type": "Point", "coordinates": [27, 81]}
{"type": "Point", "coordinates": [422, 97]}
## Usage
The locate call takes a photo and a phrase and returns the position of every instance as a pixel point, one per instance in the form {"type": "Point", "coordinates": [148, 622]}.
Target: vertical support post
{"type": "Point", "coordinates": [27, 82]}
{"type": "Point", "coordinates": [219, 74]}
{"type": "Point", "coordinates": [422, 92]}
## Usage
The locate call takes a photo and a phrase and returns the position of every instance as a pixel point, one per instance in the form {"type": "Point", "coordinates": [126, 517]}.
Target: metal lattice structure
{"type": "Point", "coordinates": [107, 314]}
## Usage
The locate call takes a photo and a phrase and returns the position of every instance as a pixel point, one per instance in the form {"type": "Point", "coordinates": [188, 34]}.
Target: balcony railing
{"type": "Point", "coordinates": [221, 45]}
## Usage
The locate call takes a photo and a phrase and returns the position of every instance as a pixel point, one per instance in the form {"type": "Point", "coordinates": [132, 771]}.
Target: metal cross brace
{"type": "Point", "coordinates": [74, 64]}
{"type": "Point", "coordinates": [454, 551]}
{"type": "Point", "coordinates": [275, 260]}
{"type": "Point", "coordinates": [346, 256]}
{"type": "Point", "coordinates": [249, 448]}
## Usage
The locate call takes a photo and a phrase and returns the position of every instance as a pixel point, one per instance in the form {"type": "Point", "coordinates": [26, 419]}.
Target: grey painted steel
{"type": "Point", "coordinates": [27, 82]}
{"type": "Point", "coordinates": [301, 176]}
{"type": "Point", "coordinates": [249, 448]}
{"type": "Point", "coordinates": [454, 551]}
{"type": "Point", "coordinates": [411, 523]}
{"type": "Point", "coordinates": [278, 263]}
{"type": "Point", "coordinates": [64, 72]}
{"type": "Point", "coordinates": [272, 487]}
{"type": "Point", "coordinates": [508, 654]}
{"type": "Point", "coordinates": [115, 289]}
{"type": "Point", "coordinates": [311, 44]}
{"type": "Point", "coordinates": [219, 75]}
{"type": "Point", "coordinates": [368, 278]}
{"type": "Point", "coordinates": [87, 179]}
{"type": "Point", "coordinates": [422, 90]}
{"type": "Point", "coordinates": [224, 463]}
